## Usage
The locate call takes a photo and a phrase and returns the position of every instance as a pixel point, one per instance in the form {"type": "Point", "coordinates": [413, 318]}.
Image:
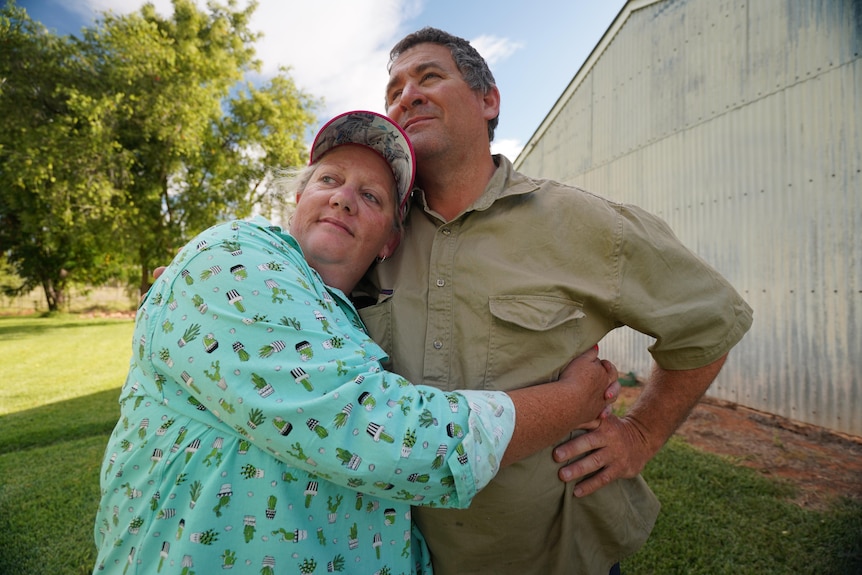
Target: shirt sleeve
{"type": "Point", "coordinates": [671, 294]}
{"type": "Point", "coordinates": [261, 348]}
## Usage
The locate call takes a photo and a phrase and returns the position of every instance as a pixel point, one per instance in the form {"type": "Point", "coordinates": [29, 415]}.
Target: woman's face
{"type": "Point", "coordinates": [345, 215]}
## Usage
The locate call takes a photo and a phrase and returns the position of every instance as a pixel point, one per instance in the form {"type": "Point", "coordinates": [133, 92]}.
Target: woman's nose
{"type": "Point", "coordinates": [344, 198]}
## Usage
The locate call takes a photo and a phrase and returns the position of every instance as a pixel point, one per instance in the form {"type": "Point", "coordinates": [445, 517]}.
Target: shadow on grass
{"type": "Point", "coordinates": [11, 327]}
{"type": "Point", "coordinates": [48, 501]}
{"type": "Point", "coordinates": [86, 416]}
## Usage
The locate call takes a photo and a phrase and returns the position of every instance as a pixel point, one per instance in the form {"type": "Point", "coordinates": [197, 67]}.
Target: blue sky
{"type": "Point", "coordinates": [338, 49]}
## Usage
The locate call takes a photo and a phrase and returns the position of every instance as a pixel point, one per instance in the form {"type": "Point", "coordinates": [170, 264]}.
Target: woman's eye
{"type": "Point", "coordinates": [371, 197]}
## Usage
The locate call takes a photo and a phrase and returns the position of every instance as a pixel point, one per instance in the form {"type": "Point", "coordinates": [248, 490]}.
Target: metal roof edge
{"type": "Point", "coordinates": [621, 18]}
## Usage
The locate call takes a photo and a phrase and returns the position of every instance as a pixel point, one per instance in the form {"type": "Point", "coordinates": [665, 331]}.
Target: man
{"type": "Point", "coordinates": [500, 277]}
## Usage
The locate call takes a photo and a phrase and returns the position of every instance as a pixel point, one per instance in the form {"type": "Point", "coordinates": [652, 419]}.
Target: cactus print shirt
{"type": "Point", "coordinates": [259, 431]}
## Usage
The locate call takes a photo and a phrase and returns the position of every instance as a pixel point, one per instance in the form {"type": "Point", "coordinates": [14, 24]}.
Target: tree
{"type": "Point", "coordinates": [201, 147]}
{"type": "Point", "coordinates": [54, 189]}
{"type": "Point", "coordinates": [117, 147]}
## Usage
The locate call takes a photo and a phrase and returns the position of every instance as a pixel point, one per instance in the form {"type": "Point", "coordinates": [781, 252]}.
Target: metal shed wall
{"type": "Point", "coordinates": [740, 123]}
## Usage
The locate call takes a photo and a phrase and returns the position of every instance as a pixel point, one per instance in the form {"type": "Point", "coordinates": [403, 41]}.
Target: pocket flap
{"type": "Point", "coordinates": [537, 313]}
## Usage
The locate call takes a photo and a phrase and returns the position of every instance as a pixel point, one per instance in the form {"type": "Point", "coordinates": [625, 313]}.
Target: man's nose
{"type": "Point", "coordinates": [411, 95]}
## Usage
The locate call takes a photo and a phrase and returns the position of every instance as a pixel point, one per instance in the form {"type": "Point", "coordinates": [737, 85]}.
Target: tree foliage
{"type": "Point", "coordinates": [55, 192]}
{"type": "Point", "coordinates": [119, 145]}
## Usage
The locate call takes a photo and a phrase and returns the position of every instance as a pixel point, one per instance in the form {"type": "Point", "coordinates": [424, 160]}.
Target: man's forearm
{"type": "Point", "coordinates": [668, 398]}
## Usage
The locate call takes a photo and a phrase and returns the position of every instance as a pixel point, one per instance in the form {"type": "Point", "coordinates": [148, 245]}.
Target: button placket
{"type": "Point", "coordinates": [441, 320]}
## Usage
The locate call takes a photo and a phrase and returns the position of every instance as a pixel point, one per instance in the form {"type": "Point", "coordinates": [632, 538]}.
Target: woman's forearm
{"type": "Point", "coordinates": [544, 414]}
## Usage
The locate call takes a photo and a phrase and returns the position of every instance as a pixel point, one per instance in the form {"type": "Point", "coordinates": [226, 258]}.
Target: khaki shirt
{"type": "Point", "coordinates": [505, 295]}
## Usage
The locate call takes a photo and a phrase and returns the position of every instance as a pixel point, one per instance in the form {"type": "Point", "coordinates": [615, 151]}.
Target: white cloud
{"type": "Point", "coordinates": [495, 49]}
{"type": "Point", "coordinates": [336, 49]}
{"type": "Point", "coordinates": [509, 148]}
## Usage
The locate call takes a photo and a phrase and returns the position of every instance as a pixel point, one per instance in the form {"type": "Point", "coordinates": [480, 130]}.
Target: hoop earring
{"type": "Point", "coordinates": [380, 260]}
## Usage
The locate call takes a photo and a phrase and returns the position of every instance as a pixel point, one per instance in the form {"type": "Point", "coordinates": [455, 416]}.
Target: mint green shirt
{"type": "Point", "coordinates": [258, 430]}
{"type": "Point", "coordinates": [504, 295]}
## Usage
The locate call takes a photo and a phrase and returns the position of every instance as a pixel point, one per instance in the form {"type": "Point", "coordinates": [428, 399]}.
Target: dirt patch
{"type": "Point", "coordinates": [821, 464]}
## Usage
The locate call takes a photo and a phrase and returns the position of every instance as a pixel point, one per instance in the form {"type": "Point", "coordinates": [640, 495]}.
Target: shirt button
{"type": "Point", "coordinates": [441, 282]}
{"type": "Point", "coordinates": [438, 344]}
{"type": "Point", "coordinates": [446, 231]}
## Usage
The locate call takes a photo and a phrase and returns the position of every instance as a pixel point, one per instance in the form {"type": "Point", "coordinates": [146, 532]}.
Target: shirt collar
{"type": "Point", "coordinates": [505, 182]}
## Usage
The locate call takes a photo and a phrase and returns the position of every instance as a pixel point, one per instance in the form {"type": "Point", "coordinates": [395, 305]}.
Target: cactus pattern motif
{"type": "Point", "coordinates": [239, 436]}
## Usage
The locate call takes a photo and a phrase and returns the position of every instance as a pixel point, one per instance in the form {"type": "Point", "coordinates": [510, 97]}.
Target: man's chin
{"type": "Point", "coordinates": [425, 144]}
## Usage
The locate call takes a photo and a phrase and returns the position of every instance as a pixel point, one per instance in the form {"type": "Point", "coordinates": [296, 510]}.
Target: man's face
{"type": "Point", "coordinates": [429, 98]}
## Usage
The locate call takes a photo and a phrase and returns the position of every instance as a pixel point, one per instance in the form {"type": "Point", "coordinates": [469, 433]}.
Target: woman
{"type": "Point", "coordinates": [258, 428]}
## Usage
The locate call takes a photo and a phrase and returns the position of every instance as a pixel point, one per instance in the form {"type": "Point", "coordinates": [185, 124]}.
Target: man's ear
{"type": "Point", "coordinates": [491, 100]}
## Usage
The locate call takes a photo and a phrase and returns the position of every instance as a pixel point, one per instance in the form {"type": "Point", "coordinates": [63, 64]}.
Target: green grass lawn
{"type": "Point", "coordinates": [60, 380]}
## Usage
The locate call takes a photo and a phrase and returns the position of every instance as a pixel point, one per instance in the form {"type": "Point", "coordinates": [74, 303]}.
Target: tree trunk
{"type": "Point", "coordinates": [145, 279]}
{"type": "Point", "coordinates": [55, 296]}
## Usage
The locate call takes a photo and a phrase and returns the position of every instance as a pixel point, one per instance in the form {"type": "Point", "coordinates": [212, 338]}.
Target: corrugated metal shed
{"type": "Point", "coordinates": [740, 123]}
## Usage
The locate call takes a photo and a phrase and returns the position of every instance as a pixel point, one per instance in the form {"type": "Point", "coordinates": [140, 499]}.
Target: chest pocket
{"type": "Point", "coordinates": [532, 338]}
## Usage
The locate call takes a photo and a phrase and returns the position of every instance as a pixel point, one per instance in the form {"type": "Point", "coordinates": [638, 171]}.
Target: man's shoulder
{"type": "Point", "coordinates": [554, 194]}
